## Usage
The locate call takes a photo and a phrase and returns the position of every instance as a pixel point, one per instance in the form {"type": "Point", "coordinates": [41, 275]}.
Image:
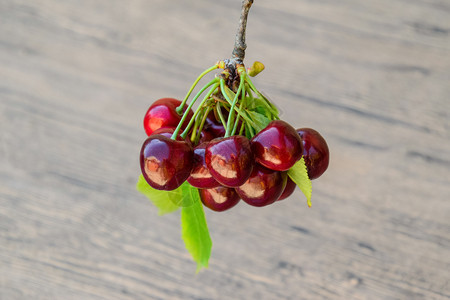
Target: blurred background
{"type": "Point", "coordinates": [76, 78]}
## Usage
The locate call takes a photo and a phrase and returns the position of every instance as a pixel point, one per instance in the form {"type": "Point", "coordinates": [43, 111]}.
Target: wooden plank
{"type": "Point", "coordinates": [77, 76]}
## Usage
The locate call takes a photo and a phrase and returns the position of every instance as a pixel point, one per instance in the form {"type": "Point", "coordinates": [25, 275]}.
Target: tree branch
{"type": "Point", "coordinates": [238, 53]}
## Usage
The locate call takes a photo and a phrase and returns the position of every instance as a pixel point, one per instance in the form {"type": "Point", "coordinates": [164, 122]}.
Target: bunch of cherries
{"type": "Point", "coordinates": [223, 149]}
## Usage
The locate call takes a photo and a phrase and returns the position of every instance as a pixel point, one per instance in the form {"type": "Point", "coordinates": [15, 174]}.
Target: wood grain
{"type": "Point", "coordinates": [372, 76]}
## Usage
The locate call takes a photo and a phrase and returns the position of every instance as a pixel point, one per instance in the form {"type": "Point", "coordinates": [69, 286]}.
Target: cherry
{"type": "Point", "coordinates": [165, 163]}
{"type": "Point", "coordinates": [206, 136]}
{"type": "Point", "coordinates": [278, 146]}
{"type": "Point", "coordinates": [288, 190]}
{"type": "Point", "coordinates": [200, 176]}
{"type": "Point", "coordinates": [162, 113]}
{"type": "Point", "coordinates": [315, 152]}
{"type": "Point", "coordinates": [213, 126]}
{"type": "Point", "coordinates": [230, 160]}
{"type": "Point", "coordinates": [263, 187]}
{"type": "Point", "coordinates": [219, 198]}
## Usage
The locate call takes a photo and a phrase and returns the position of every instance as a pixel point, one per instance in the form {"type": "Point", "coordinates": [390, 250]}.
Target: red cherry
{"type": "Point", "coordinates": [288, 190]}
{"type": "Point", "coordinates": [219, 198]}
{"type": "Point", "coordinates": [315, 152]}
{"type": "Point", "coordinates": [165, 163]}
{"type": "Point", "coordinates": [162, 113]}
{"type": "Point", "coordinates": [213, 126]}
{"type": "Point", "coordinates": [229, 160]}
{"type": "Point", "coordinates": [263, 187]}
{"type": "Point", "coordinates": [278, 146]}
{"type": "Point", "coordinates": [206, 136]}
{"type": "Point", "coordinates": [200, 176]}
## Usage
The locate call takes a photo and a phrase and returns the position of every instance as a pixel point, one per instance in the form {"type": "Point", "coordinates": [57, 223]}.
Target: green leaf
{"type": "Point", "coordinates": [273, 108]}
{"type": "Point", "coordinates": [259, 120]}
{"type": "Point", "coordinates": [165, 201]}
{"type": "Point", "coordinates": [299, 175]}
{"type": "Point", "coordinates": [194, 229]}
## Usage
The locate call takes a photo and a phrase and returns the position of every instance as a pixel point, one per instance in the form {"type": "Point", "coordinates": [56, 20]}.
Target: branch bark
{"type": "Point", "coordinates": [238, 53]}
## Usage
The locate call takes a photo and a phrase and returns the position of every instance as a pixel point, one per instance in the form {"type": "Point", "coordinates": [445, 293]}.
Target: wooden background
{"type": "Point", "coordinates": [76, 78]}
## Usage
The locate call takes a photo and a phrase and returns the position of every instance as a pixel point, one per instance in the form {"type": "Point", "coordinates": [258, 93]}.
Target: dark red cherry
{"type": "Point", "coordinates": [263, 187]}
{"type": "Point", "coordinates": [213, 126]}
{"type": "Point", "coordinates": [315, 152]}
{"type": "Point", "coordinates": [229, 160]}
{"type": "Point", "coordinates": [162, 114]}
{"type": "Point", "coordinates": [288, 190]}
{"type": "Point", "coordinates": [219, 198]}
{"type": "Point", "coordinates": [165, 163]}
{"type": "Point", "coordinates": [200, 176]}
{"type": "Point", "coordinates": [278, 146]}
{"type": "Point", "coordinates": [206, 136]}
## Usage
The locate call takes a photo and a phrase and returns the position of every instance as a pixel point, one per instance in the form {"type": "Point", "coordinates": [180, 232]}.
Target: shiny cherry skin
{"type": "Point", "coordinates": [220, 198]}
{"type": "Point", "coordinates": [162, 113]}
{"type": "Point", "coordinates": [263, 187]}
{"type": "Point", "coordinates": [200, 176]}
{"type": "Point", "coordinates": [229, 160]}
{"type": "Point", "coordinates": [315, 152]}
{"type": "Point", "coordinates": [278, 146]}
{"type": "Point", "coordinates": [288, 190]}
{"type": "Point", "coordinates": [165, 163]}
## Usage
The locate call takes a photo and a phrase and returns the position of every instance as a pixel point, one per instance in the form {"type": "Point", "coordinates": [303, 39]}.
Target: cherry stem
{"type": "Point", "coordinates": [196, 134]}
{"type": "Point", "coordinates": [214, 84]}
{"type": "Point", "coordinates": [238, 53]}
{"type": "Point", "coordinates": [179, 109]}
{"type": "Point", "coordinates": [233, 105]}
{"type": "Point", "coordinates": [224, 92]}
{"type": "Point", "coordinates": [219, 113]}
{"type": "Point", "coordinates": [243, 103]}
{"type": "Point", "coordinates": [175, 133]}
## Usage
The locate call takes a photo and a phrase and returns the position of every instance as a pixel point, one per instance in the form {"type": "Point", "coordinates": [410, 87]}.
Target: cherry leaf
{"type": "Point", "coordinates": [273, 109]}
{"type": "Point", "coordinates": [165, 201]}
{"type": "Point", "coordinates": [299, 174]}
{"type": "Point", "coordinates": [260, 121]}
{"type": "Point", "coordinates": [194, 229]}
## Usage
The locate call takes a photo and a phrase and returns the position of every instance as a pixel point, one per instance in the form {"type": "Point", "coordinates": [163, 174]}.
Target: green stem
{"type": "Point", "coordinates": [194, 131]}
{"type": "Point", "coordinates": [196, 136]}
{"type": "Point", "coordinates": [179, 109]}
{"type": "Point", "coordinates": [250, 130]}
{"type": "Point", "coordinates": [243, 105]}
{"type": "Point", "coordinates": [175, 133]}
{"type": "Point", "coordinates": [249, 91]}
{"type": "Point", "coordinates": [231, 114]}
{"type": "Point", "coordinates": [250, 83]}
{"type": "Point", "coordinates": [214, 87]}
{"type": "Point", "coordinates": [224, 93]}
{"type": "Point", "coordinates": [219, 113]}
{"type": "Point", "coordinates": [238, 110]}
{"type": "Point", "coordinates": [241, 131]}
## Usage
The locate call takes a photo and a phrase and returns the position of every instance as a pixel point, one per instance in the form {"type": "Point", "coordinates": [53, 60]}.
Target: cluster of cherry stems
{"type": "Point", "coordinates": [221, 149]}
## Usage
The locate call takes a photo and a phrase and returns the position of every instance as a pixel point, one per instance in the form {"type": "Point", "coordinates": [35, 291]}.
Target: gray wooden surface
{"type": "Point", "coordinates": [76, 78]}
